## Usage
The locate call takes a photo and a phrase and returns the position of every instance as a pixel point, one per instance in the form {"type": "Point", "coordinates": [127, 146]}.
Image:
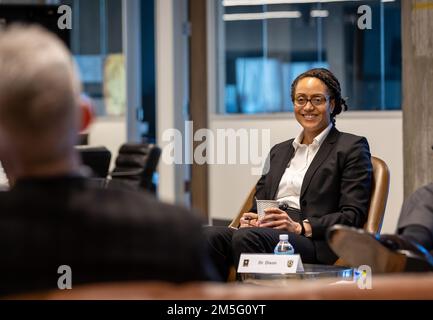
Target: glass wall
{"type": "Point", "coordinates": [92, 29]}
{"type": "Point", "coordinates": [96, 43]}
{"type": "Point", "coordinates": [266, 45]}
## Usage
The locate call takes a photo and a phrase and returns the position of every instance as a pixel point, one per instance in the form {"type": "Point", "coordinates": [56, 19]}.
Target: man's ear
{"type": "Point", "coordinates": [86, 113]}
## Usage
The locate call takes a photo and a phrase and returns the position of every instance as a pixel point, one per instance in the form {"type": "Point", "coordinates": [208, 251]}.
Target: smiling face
{"type": "Point", "coordinates": [315, 115]}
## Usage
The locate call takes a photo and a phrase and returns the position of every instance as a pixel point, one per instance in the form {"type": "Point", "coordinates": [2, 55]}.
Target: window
{"type": "Point", "coordinates": [264, 47]}
{"type": "Point", "coordinates": [95, 39]}
{"type": "Point", "coordinates": [96, 43]}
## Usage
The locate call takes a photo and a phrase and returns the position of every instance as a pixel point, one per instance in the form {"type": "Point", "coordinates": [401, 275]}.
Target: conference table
{"type": "Point", "coordinates": [335, 274]}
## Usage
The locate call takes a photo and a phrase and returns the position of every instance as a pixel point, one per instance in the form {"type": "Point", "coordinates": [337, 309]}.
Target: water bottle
{"type": "Point", "coordinates": [284, 246]}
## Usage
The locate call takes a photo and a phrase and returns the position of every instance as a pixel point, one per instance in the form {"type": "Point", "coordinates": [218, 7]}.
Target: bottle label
{"type": "Point", "coordinates": [284, 248]}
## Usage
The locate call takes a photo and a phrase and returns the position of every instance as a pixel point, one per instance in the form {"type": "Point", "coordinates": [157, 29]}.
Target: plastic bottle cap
{"type": "Point", "coordinates": [284, 237]}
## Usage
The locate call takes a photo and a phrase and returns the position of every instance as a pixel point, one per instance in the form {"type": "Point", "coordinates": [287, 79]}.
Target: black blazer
{"type": "Point", "coordinates": [336, 187]}
{"type": "Point", "coordinates": [102, 234]}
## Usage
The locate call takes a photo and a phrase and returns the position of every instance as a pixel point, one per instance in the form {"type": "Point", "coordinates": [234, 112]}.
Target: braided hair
{"type": "Point", "coordinates": [332, 84]}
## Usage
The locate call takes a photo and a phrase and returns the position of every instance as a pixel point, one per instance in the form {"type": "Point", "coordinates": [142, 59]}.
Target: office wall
{"type": "Point", "coordinates": [108, 132]}
{"type": "Point", "coordinates": [230, 184]}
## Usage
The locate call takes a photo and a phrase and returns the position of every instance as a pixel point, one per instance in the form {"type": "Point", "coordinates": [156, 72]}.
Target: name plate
{"type": "Point", "coordinates": [270, 263]}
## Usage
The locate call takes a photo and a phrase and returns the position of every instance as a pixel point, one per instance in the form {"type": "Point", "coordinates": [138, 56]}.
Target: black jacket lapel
{"type": "Point", "coordinates": [280, 167]}
{"type": "Point", "coordinates": [321, 155]}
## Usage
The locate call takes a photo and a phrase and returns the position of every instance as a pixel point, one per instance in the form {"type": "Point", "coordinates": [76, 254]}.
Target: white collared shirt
{"type": "Point", "coordinates": [3, 180]}
{"type": "Point", "coordinates": [289, 190]}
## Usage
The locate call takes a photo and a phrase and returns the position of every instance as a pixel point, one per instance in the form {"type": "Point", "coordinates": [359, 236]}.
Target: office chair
{"type": "Point", "coordinates": [95, 158]}
{"type": "Point", "coordinates": [376, 211]}
{"type": "Point", "coordinates": [135, 166]}
{"type": "Point", "coordinates": [83, 139]}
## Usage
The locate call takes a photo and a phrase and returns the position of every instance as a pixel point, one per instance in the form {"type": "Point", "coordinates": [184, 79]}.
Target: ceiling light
{"type": "Point", "coordinates": [319, 13]}
{"type": "Point", "coordinates": [262, 15]}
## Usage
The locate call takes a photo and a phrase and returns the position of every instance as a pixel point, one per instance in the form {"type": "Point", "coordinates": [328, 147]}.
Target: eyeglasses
{"type": "Point", "coordinates": [316, 100]}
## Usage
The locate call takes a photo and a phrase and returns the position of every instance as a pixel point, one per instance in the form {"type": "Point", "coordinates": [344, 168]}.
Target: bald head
{"type": "Point", "coordinates": [39, 96]}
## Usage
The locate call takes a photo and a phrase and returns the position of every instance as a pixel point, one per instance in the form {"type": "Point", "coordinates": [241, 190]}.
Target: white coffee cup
{"type": "Point", "coordinates": [265, 204]}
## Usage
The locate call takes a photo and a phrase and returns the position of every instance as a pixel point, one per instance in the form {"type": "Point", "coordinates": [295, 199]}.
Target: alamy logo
{"type": "Point", "coordinates": [364, 277]}
{"type": "Point", "coordinates": [65, 20]}
{"type": "Point", "coordinates": [65, 280]}
{"type": "Point", "coordinates": [221, 146]}
{"type": "Point", "coordinates": [365, 20]}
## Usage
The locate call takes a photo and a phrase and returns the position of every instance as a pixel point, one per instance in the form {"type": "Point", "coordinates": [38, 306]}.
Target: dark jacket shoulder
{"type": "Point", "coordinates": [334, 135]}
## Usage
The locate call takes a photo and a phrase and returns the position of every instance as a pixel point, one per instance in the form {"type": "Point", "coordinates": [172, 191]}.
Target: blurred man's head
{"type": "Point", "coordinates": [39, 98]}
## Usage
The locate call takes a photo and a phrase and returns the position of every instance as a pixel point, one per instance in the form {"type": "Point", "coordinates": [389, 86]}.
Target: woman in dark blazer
{"type": "Point", "coordinates": [320, 178]}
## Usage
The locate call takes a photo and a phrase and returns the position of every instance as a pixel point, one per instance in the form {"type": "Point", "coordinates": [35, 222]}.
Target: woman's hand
{"type": "Point", "coordinates": [249, 220]}
{"type": "Point", "coordinates": [279, 219]}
